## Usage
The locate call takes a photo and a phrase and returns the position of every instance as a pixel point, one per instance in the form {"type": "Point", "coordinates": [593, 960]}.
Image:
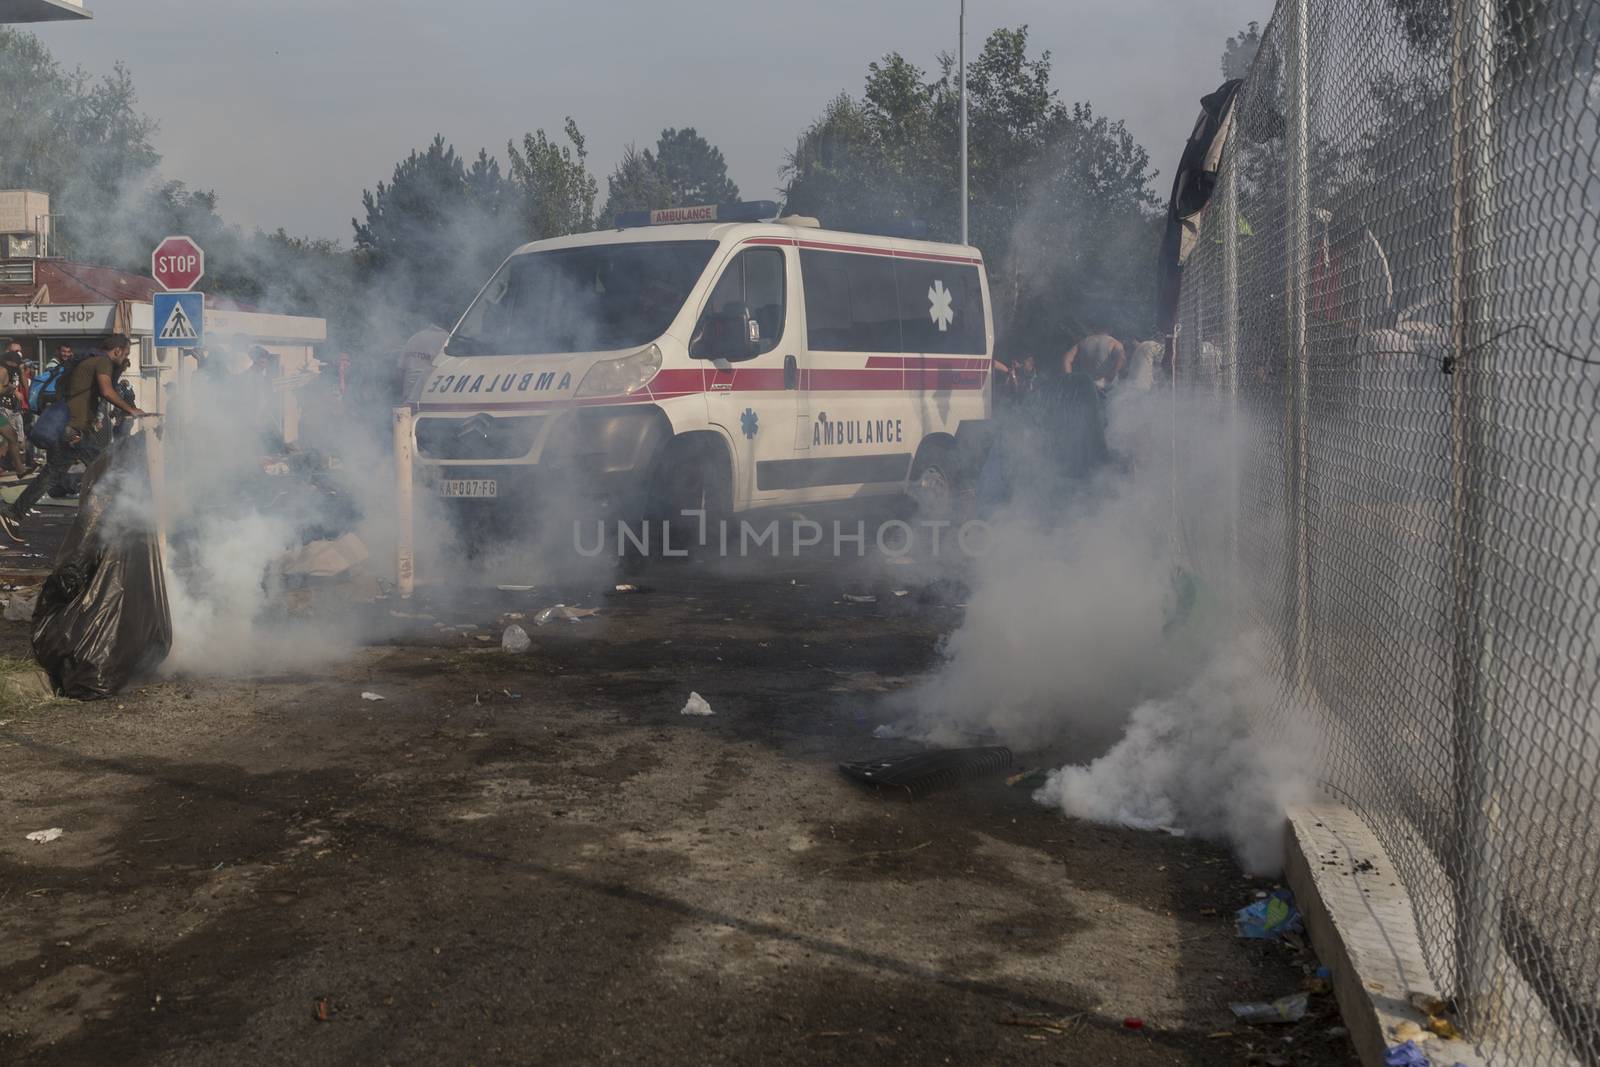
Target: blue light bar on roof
{"type": "Point", "coordinates": [745, 211]}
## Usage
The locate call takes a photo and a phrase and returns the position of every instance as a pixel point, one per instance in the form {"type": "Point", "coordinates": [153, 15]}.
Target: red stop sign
{"type": "Point", "coordinates": [177, 263]}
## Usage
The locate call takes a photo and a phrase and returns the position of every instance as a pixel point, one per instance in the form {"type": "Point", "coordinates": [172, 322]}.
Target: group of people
{"type": "Point", "coordinates": [1130, 364]}
{"type": "Point", "coordinates": [94, 396]}
{"type": "Point", "coordinates": [1050, 442]}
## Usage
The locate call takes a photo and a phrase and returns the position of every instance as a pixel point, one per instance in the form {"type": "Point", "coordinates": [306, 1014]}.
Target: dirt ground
{"type": "Point", "coordinates": [534, 858]}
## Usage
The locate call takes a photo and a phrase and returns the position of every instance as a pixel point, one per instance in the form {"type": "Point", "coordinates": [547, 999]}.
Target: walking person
{"type": "Point", "coordinates": [89, 382]}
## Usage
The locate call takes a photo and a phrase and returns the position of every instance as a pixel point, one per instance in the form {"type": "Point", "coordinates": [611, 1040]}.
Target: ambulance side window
{"type": "Point", "coordinates": [941, 307]}
{"type": "Point", "coordinates": [851, 302]}
{"type": "Point", "coordinates": [754, 280]}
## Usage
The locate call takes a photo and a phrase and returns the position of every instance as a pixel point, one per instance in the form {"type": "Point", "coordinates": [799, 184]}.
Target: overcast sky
{"type": "Point", "coordinates": [289, 108]}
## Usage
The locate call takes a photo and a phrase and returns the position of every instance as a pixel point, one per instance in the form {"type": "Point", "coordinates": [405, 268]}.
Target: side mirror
{"type": "Point", "coordinates": [732, 334]}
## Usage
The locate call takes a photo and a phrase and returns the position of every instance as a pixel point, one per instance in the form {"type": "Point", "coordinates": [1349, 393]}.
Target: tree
{"type": "Point", "coordinates": [552, 186]}
{"type": "Point", "coordinates": [80, 139]}
{"type": "Point", "coordinates": [635, 185]}
{"type": "Point", "coordinates": [693, 168]}
{"type": "Point", "coordinates": [1239, 51]}
{"type": "Point", "coordinates": [432, 235]}
{"type": "Point", "coordinates": [685, 168]}
{"type": "Point", "coordinates": [1060, 196]}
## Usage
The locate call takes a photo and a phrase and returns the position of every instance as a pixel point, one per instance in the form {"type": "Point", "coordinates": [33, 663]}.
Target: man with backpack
{"type": "Point", "coordinates": [84, 383]}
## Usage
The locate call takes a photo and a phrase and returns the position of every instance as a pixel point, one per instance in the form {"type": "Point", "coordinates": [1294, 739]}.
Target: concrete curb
{"type": "Point", "coordinates": [1361, 925]}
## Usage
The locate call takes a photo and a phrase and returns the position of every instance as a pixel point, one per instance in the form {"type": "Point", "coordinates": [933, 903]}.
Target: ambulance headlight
{"type": "Point", "coordinates": [621, 377]}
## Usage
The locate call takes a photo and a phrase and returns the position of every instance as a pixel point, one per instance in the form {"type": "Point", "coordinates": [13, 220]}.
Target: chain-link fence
{"type": "Point", "coordinates": [1396, 294]}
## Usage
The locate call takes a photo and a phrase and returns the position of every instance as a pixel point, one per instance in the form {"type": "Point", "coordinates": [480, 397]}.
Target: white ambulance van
{"type": "Point", "coordinates": [708, 357]}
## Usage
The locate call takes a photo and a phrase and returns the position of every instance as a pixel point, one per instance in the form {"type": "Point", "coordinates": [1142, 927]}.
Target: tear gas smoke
{"type": "Point", "coordinates": [1199, 762]}
{"type": "Point", "coordinates": [231, 525]}
{"type": "Point", "coordinates": [1082, 633]}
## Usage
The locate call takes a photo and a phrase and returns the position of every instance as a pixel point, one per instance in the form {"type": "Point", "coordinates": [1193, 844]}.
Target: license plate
{"type": "Point", "coordinates": [469, 487]}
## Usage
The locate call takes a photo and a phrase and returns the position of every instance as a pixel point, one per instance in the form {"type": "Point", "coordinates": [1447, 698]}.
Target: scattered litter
{"type": "Point", "coordinates": [696, 706]}
{"type": "Point", "coordinates": [924, 772]}
{"type": "Point", "coordinates": [482, 637]}
{"type": "Point", "coordinates": [1410, 1031]}
{"type": "Point", "coordinates": [561, 611]}
{"type": "Point", "coordinates": [44, 837]}
{"type": "Point", "coordinates": [408, 614]}
{"type": "Point", "coordinates": [1028, 778]}
{"type": "Point", "coordinates": [324, 559]}
{"type": "Point", "coordinates": [28, 685]}
{"type": "Point", "coordinates": [513, 696]}
{"type": "Point", "coordinates": [19, 608]}
{"type": "Point", "coordinates": [888, 732]}
{"type": "Point", "coordinates": [1428, 1003]}
{"type": "Point", "coordinates": [1133, 1022]}
{"type": "Point", "coordinates": [854, 599]}
{"type": "Point", "coordinates": [371, 696]}
{"type": "Point", "coordinates": [1283, 1010]}
{"type": "Point", "coordinates": [515, 639]}
{"type": "Point", "coordinates": [1439, 1026]}
{"type": "Point", "coordinates": [629, 587]}
{"type": "Point", "coordinates": [1269, 918]}
{"type": "Point", "coordinates": [1407, 1054]}
{"type": "Point", "coordinates": [1053, 1024]}
{"type": "Point", "coordinates": [515, 588]}
{"type": "Point", "coordinates": [321, 1011]}
{"type": "Point", "coordinates": [902, 592]}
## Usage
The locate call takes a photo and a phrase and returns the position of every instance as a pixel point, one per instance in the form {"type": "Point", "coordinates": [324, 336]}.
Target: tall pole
{"type": "Point", "coordinates": [1230, 366]}
{"type": "Point", "coordinates": [962, 59]}
{"type": "Point", "coordinates": [405, 543]}
{"type": "Point", "coordinates": [1480, 868]}
{"type": "Point", "coordinates": [1296, 375]}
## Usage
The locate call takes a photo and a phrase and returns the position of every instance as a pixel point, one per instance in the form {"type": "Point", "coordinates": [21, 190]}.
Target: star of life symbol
{"type": "Point", "coordinates": [939, 309]}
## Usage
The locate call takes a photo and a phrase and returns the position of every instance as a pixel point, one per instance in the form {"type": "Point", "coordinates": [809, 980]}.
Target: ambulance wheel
{"type": "Point", "coordinates": [934, 488]}
{"type": "Point", "coordinates": [693, 475]}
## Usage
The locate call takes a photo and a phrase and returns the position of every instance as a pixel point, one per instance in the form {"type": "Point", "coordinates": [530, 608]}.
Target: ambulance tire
{"type": "Point", "coordinates": [693, 475]}
{"type": "Point", "coordinates": [935, 486]}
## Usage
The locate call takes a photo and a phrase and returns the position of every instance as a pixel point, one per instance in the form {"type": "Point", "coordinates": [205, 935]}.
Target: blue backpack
{"type": "Point", "coordinates": [47, 384]}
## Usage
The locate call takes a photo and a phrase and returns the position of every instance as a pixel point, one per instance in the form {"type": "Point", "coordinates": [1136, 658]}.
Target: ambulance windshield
{"type": "Point", "coordinates": [588, 299]}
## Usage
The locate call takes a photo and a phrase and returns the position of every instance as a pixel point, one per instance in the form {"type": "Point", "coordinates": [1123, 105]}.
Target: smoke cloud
{"type": "Point", "coordinates": [1096, 632]}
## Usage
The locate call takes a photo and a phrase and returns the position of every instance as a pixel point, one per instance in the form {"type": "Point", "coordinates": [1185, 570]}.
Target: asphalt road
{"type": "Point", "coordinates": [534, 858]}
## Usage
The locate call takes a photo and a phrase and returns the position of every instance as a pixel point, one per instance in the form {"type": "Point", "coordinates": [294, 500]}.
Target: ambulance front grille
{"type": "Point", "coordinates": [482, 436]}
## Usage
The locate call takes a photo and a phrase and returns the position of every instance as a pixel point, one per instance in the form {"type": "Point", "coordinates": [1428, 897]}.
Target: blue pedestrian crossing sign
{"type": "Point", "coordinates": [180, 319]}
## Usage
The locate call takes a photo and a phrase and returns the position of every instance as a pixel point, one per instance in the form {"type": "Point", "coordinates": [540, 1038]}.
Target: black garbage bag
{"type": "Point", "coordinates": [102, 618]}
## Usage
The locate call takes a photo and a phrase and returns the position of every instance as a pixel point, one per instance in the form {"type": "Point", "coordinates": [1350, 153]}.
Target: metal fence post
{"type": "Point", "coordinates": [1480, 873]}
{"type": "Point", "coordinates": [1295, 369]}
{"type": "Point", "coordinates": [405, 547]}
{"type": "Point", "coordinates": [1230, 366]}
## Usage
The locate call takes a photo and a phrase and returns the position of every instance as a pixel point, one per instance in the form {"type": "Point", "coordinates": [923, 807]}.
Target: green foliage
{"type": "Point", "coordinates": [79, 138]}
{"type": "Point", "coordinates": [1239, 51]}
{"type": "Point", "coordinates": [432, 235]}
{"type": "Point", "coordinates": [685, 168]}
{"type": "Point", "coordinates": [552, 185]}
{"type": "Point", "coordinates": [1061, 204]}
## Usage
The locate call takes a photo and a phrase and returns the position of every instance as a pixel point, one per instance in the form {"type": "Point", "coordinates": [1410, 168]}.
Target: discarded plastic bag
{"type": "Point", "coordinates": [19, 606]}
{"type": "Point", "coordinates": [1283, 1010]}
{"type": "Point", "coordinates": [515, 639]}
{"type": "Point", "coordinates": [102, 618]}
{"type": "Point", "coordinates": [560, 611]}
{"type": "Point", "coordinates": [1269, 918]}
{"type": "Point", "coordinates": [44, 837]}
{"type": "Point", "coordinates": [697, 705]}
{"type": "Point", "coordinates": [1407, 1055]}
